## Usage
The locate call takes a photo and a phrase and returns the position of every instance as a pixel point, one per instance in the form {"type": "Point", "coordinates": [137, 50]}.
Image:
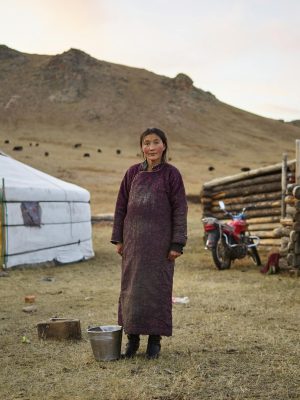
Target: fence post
{"type": "Point", "coordinates": [283, 184]}
{"type": "Point", "coordinates": [297, 178]}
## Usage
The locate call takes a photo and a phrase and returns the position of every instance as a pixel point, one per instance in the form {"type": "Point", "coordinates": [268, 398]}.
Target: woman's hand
{"type": "Point", "coordinates": [119, 248]}
{"type": "Point", "coordinates": [173, 255]}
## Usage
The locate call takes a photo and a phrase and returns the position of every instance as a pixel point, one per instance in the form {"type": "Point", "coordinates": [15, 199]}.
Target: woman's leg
{"type": "Point", "coordinates": [132, 345]}
{"type": "Point", "coordinates": [153, 347]}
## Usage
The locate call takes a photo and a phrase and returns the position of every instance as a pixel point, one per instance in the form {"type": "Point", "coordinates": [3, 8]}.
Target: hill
{"type": "Point", "coordinates": [72, 97]}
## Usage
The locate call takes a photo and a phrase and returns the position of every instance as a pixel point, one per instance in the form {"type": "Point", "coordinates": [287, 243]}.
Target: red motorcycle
{"type": "Point", "coordinates": [230, 241]}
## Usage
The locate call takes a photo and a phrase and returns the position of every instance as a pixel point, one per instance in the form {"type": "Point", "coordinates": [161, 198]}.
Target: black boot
{"type": "Point", "coordinates": [132, 346]}
{"type": "Point", "coordinates": [153, 347]}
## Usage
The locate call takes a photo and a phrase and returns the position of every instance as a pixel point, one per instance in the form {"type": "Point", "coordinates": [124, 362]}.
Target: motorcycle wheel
{"type": "Point", "coordinates": [220, 255]}
{"type": "Point", "coordinates": [253, 253]}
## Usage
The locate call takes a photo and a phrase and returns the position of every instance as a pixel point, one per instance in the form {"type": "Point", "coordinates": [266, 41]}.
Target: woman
{"type": "Point", "coordinates": [149, 232]}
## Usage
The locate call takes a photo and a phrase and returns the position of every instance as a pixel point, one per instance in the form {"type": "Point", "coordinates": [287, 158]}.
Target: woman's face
{"type": "Point", "coordinates": [153, 148]}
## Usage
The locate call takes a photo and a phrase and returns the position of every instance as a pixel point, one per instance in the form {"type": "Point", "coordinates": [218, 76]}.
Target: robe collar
{"type": "Point", "coordinates": [144, 166]}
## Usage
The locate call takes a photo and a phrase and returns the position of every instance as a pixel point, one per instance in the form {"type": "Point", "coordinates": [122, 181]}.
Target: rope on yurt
{"type": "Point", "coordinates": [51, 247]}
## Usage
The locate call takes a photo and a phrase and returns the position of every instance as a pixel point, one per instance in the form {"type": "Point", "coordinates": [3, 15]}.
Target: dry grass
{"type": "Point", "coordinates": [238, 338]}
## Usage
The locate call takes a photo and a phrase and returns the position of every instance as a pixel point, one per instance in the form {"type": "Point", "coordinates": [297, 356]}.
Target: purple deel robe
{"type": "Point", "coordinates": [150, 217]}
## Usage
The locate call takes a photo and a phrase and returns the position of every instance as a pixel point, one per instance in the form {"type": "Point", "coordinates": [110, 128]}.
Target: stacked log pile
{"type": "Point", "coordinates": [261, 192]}
{"type": "Point", "coordinates": [290, 242]}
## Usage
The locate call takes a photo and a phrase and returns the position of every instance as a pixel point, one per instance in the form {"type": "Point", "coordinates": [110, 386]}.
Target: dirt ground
{"type": "Point", "coordinates": [237, 338]}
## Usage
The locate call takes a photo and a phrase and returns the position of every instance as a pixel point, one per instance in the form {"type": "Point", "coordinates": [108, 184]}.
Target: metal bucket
{"type": "Point", "coordinates": [106, 342]}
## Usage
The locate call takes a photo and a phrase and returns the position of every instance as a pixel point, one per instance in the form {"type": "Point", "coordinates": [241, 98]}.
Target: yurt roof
{"type": "Point", "coordinates": [24, 183]}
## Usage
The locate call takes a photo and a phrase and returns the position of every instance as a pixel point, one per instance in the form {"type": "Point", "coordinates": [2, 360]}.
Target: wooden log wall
{"type": "Point", "coordinates": [261, 191]}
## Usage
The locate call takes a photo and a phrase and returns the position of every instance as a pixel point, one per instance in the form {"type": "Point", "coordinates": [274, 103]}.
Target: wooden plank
{"type": "Point", "coordinates": [256, 206]}
{"type": "Point", "coordinates": [260, 220]}
{"type": "Point", "coordinates": [247, 182]}
{"type": "Point", "coordinates": [270, 242]}
{"type": "Point", "coordinates": [245, 175]}
{"type": "Point", "coordinates": [253, 189]}
{"type": "Point", "coordinates": [253, 198]}
{"type": "Point", "coordinates": [263, 234]}
{"type": "Point", "coordinates": [265, 212]}
{"type": "Point", "coordinates": [102, 217]}
{"type": "Point", "coordinates": [59, 328]}
{"type": "Point", "coordinates": [206, 200]}
{"type": "Point", "coordinates": [264, 226]}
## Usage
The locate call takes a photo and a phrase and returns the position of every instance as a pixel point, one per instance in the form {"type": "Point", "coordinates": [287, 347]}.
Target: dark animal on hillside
{"type": "Point", "coordinates": [6, 141]}
{"type": "Point", "coordinates": [245, 169]}
{"type": "Point", "coordinates": [86, 155]}
{"type": "Point", "coordinates": [18, 148]}
{"type": "Point", "coordinates": [211, 168]}
{"type": "Point", "coordinates": [118, 151]}
{"type": "Point", "coordinates": [46, 153]}
{"type": "Point", "coordinates": [76, 145]}
{"type": "Point", "coordinates": [99, 151]}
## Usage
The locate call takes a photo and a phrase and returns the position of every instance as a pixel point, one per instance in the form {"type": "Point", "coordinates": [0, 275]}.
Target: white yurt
{"type": "Point", "coordinates": [42, 218]}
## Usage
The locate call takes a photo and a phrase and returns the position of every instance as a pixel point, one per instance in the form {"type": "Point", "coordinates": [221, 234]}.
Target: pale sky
{"type": "Point", "coordinates": [246, 52]}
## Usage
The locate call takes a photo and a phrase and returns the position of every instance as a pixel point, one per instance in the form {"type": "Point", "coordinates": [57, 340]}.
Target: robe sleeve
{"type": "Point", "coordinates": [179, 209]}
{"type": "Point", "coordinates": [121, 209]}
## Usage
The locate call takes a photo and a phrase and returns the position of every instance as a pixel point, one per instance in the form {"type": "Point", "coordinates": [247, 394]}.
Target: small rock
{"type": "Point", "coordinates": [48, 279]}
{"type": "Point", "coordinates": [29, 309]}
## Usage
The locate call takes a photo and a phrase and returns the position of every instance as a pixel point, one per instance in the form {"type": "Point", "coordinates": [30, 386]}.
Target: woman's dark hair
{"type": "Point", "coordinates": [161, 135]}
